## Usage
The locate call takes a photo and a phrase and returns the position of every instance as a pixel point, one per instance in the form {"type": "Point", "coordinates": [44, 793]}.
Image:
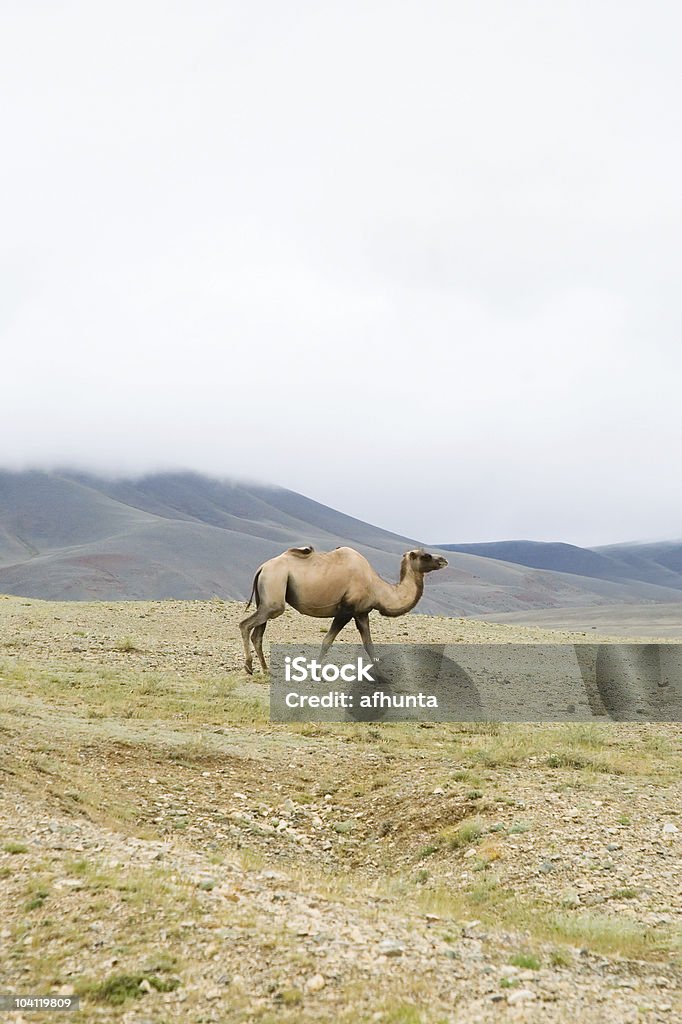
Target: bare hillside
{"type": "Point", "coordinates": [71, 536]}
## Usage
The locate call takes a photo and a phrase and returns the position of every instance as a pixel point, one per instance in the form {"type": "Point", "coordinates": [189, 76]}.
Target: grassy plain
{"type": "Point", "coordinates": [169, 854]}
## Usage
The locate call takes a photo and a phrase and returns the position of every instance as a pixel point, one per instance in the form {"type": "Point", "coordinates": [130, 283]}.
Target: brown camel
{"type": "Point", "coordinates": [338, 584]}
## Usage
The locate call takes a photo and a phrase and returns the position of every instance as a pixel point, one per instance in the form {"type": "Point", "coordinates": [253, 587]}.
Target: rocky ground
{"type": "Point", "coordinates": [168, 854]}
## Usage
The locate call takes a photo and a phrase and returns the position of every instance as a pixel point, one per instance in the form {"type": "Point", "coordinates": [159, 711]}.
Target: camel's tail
{"type": "Point", "coordinates": [254, 590]}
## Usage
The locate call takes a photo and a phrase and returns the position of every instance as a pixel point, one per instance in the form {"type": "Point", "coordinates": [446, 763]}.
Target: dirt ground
{"type": "Point", "coordinates": [169, 854]}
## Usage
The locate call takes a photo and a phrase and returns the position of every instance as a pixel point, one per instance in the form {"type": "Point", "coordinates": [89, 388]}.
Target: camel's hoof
{"type": "Point", "coordinates": [249, 669]}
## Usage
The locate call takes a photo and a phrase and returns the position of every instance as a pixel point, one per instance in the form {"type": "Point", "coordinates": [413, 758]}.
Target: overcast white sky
{"type": "Point", "coordinates": [418, 260]}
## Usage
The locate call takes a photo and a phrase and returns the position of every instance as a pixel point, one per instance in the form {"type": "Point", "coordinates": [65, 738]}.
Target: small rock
{"type": "Point", "coordinates": [315, 984]}
{"type": "Point", "coordinates": [66, 990]}
{"type": "Point", "coordinates": [439, 791]}
{"type": "Point", "coordinates": [522, 995]}
{"type": "Point", "coordinates": [390, 948]}
{"type": "Point", "coordinates": [206, 884]}
{"type": "Point", "coordinates": [546, 867]}
{"type": "Point", "coordinates": [145, 986]}
{"type": "Point", "coordinates": [669, 829]}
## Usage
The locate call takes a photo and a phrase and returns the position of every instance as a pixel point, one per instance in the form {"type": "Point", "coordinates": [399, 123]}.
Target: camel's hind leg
{"type": "Point", "coordinates": [259, 618]}
{"type": "Point", "coordinates": [257, 640]}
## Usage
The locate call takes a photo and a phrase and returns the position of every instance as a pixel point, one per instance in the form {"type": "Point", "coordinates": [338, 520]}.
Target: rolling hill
{"type": "Point", "coordinates": [75, 536]}
{"type": "Point", "coordinates": [659, 564]}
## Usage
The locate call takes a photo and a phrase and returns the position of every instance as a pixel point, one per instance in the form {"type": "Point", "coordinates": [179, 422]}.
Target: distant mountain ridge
{"type": "Point", "coordinates": [656, 563]}
{"type": "Point", "coordinates": [76, 536]}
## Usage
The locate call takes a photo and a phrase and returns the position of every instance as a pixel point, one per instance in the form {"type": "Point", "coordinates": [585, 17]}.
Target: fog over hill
{"type": "Point", "coordinates": [75, 536]}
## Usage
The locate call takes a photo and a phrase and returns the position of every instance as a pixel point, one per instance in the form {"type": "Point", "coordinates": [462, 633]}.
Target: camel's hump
{"type": "Point", "coordinates": [301, 552]}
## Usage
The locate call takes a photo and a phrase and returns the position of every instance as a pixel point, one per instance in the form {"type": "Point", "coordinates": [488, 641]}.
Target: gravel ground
{"type": "Point", "coordinates": [162, 842]}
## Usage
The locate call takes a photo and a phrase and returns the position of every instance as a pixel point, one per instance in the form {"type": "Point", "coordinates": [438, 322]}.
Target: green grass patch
{"type": "Point", "coordinates": [527, 961]}
{"type": "Point", "coordinates": [519, 827]}
{"type": "Point", "coordinates": [625, 894]}
{"type": "Point", "coordinates": [290, 997]}
{"type": "Point", "coordinates": [498, 906]}
{"type": "Point", "coordinates": [14, 848]}
{"type": "Point", "coordinates": [36, 901]}
{"type": "Point", "coordinates": [427, 851]}
{"type": "Point", "coordinates": [126, 646]}
{"type": "Point", "coordinates": [560, 958]}
{"type": "Point", "coordinates": [571, 746]}
{"type": "Point", "coordinates": [404, 1013]}
{"type": "Point", "coordinates": [129, 690]}
{"type": "Point", "coordinates": [464, 835]}
{"type": "Point", "coordinates": [118, 989]}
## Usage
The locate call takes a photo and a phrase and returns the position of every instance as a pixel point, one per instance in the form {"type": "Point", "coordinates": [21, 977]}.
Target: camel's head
{"type": "Point", "coordinates": [422, 561]}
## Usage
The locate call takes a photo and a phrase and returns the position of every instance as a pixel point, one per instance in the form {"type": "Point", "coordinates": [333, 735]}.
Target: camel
{"type": "Point", "coordinates": [339, 584]}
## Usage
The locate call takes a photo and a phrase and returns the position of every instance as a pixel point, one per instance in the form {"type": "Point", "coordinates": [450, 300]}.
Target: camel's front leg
{"type": "Point", "coordinates": [362, 622]}
{"type": "Point", "coordinates": [340, 620]}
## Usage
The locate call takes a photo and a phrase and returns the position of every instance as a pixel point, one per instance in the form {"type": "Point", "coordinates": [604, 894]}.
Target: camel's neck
{"type": "Point", "coordinates": [399, 598]}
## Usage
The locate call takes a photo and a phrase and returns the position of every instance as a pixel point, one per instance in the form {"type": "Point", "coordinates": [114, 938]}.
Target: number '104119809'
{"type": "Point", "coordinates": [8, 1002]}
